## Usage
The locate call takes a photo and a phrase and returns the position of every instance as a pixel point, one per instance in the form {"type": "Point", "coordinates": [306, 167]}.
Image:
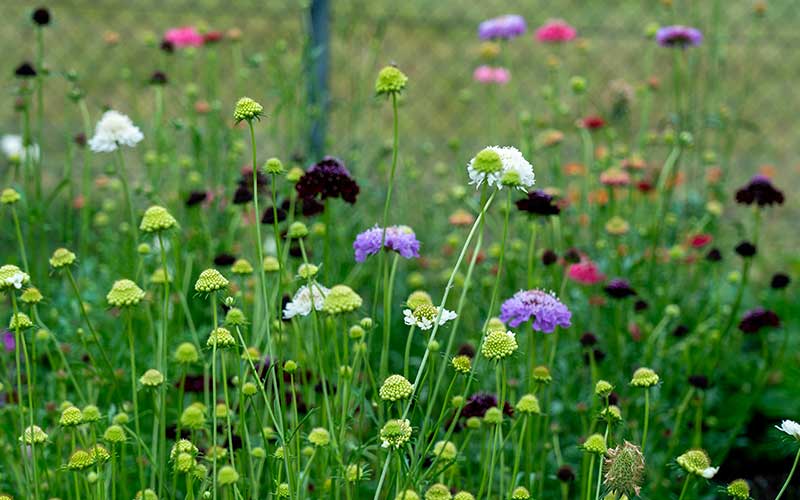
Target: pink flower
{"type": "Point", "coordinates": [585, 273]}
{"type": "Point", "coordinates": [700, 240]}
{"type": "Point", "coordinates": [556, 31]}
{"type": "Point", "coordinates": [488, 74]}
{"type": "Point", "coordinates": [185, 36]}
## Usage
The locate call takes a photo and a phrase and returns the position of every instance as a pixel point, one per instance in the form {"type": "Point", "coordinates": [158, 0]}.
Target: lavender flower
{"type": "Point", "coordinates": [759, 190]}
{"type": "Point", "coordinates": [503, 27]}
{"type": "Point", "coordinates": [401, 239]}
{"type": "Point", "coordinates": [679, 36]}
{"type": "Point", "coordinates": [328, 178]}
{"type": "Point", "coordinates": [546, 310]}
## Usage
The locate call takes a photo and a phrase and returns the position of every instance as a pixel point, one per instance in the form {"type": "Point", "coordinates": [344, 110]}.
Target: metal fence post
{"type": "Point", "coordinates": [318, 74]}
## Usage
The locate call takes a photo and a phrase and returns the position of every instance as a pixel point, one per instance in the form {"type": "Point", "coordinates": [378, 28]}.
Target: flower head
{"type": "Point", "coordinates": [31, 295]}
{"type": "Point", "coordinates": [157, 219]}
{"type": "Point", "coordinates": [738, 489]}
{"type": "Point", "coordinates": [761, 191]}
{"type": "Point", "coordinates": [495, 163]}
{"type": "Point", "coordinates": [304, 299]}
{"type": "Point", "coordinates": [319, 436]}
{"type": "Point", "coordinates": [585, 272]}
{"type": "Point", "coordinates": [624, 469]}
{"type": "Point", "coordinates": [499, 344]}
{"type": "Point", "coordinates": [16, 152]}
{"type": "Point", "coordinates": [438, 492]}
{"type": "Point", "coordinates": [556, 31]}
{"type": "Point", "coordinates": [407, 495]}
{"type": "Point", "coordinates": [395, 433]}
{"type": "Point", "coordinates": [71, 416]}
{"type": "Point", "coordinates": [544, 308]}
{"type": "Point", "coordinates": [538, 203]}
{"type": "Point", "coordinates": [33, 435]}
{"type": "Point", "coordinates": [462, 364]}
{"type": "Point", "coordinates": [679, 36]}
{"type": "Point", "coordinates": [20, 320]}
{"type": "Point", "coordinates": [210, 280]}
{"type": "Point", "coordinates": [186, 353]}
{"type": "Point", "coordinates": [152, 378]}
{"type": "Point", "coordinates": [247, 110]}
{"type": "Point", "coordinates": [619, 289]}
{"type": "Point", "coordinates": [242, 267]}
{"type": "Point", "coordinates": [791, 428]}
{"type": "Point", "coordinates": [124, 293]}
{"type": "Point", "coordinates": [395, 388]}
{"type": "Point", "coordinates": [221, 338]}
{"type": "Point", "coordinates": [114, 434]}
{"type": "Point", "coordinates": [595, 444]}
{"type": "Point", "coordinates": [400, 239]}
{"type": "Point", "coordinates": [341, 299]}
{"type": "Point", "coordinates": [80, 460]}
{"type": "Point", "coordinates": [756, 319]}
{"type": "Point", "coordinates": [61, 257]}
{"type": "Point", "coordinates": [12, 277]}
{"type": "Point", "coordinates": [697, 462]}
{"type": "Point", "coordinates": [184, 36]}
{"type": "Point", "coordinates": [227, 475]}
{"type": "Point", "coordinates": [520, 493]}
{"type": "Point", "coordinates": [491, 74]}
{"type": "Point", "coordinates": [424, 316]}
{"type": "Point", "coordinates": [390, 81]}
{"type": "Point", "coordinates": [327, 178]}
{"type": "Point", "coordinates": [114, 130]}
{"type": "Point", "coordinates": [502, 27]}
{"type": "Point", "coordinates": [644, 377]}
{"type": "Point", "coordinates": [528, 405]}
{"type": "Point", "coordinates": [445, 450]}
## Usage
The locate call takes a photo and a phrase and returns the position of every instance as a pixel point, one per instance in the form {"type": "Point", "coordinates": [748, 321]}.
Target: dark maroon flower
{"type": "Point", "coordinates": [194, 384]}
{"type": "Point", "coordinates": [466, 349]}
{"type": "Point", "coordinates": [224, 259]}
{"type": "Point", "coordinates": [756, 319]}
{"type": "Point", "coordinates": [310, 207]}
{"type": "Point", "coordinates": [549, 257]}
{"type": "Point", "coordinates": [588, 339]}
{"type": "Point", "coordinates": [565, 474]}
{"type": "Point", "coordinates": [572, 255]}
{"type": "Point", "coordinates": [699, 381]}
{"type": "Point", "coordinates": [759, 190]}
{"type": "Point", "coordinates": [167, 46]}
{"type": "Point", "coordinates": [538, 203]}
{"type": "Point", "coordinates": [640, 305]}
{"type": "Point", "coordinates": [41, 16]}
{"type": "Point", "coordinates": [196, 197]}
{"type": "Point", "coordinates": [212, 37]}
{"type": "Point", "coordinates": [780, 281]}
{"type": "Point", "coordinates": [680, 331]}
{"type": "Point", "coordinates": [480, 402]}
{"type": "Point", "coordinates": [242, 196]}
{"type": "Point", "coordinates": [593, 122]}
{"type": "Point", "coordinates": [269, 215]}
{"type": "Point", "coordinates": [598, 355]}
{"type": "Point", "coordinates": [158, 78]}
{"type": "Point", "coordinates": [714, 255]}
{"type": "Point", "coordinates": [746, 249]}
{"type": "Point", "coordinates": [80, 139]}
{"type": "Point", "coordinates": [619, 289]}
{"type": "Point", "coordinates": [613, 398]}
{"type": "Point", "coordinates": [328, 178]}
{"type": "Point", "coordinates": [644, 186]}
{"type": "Point", "coordinates": [25, 70]}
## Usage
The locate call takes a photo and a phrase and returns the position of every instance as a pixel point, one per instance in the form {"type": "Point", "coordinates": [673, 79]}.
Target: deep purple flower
{"type": "Point", "coordinates": [714, 255]}
{"type": "Point", "coordinates": [759, 190]}
{"type": "Point", "coordinates": [679, 36]}
{"type": "Point", "coordinates": [779, 281]}
{"type": "Point", "coordinates": [619, 289]}
{"type": "Point", "coordinates": [328, 178]}
{"type": "Point", "coordinates": [25, 70]}
{"type": "Point", "coordinates": [400, 239]}
{"type": "Point", "coordinates": [196, 197]}
{"type": "Point", "coordinates": [224, 259]}
{"type": "Point", "coordinates": [41, 16]}
{"type": "Point", "coordinates": [746, 249]}
{"type": "Point", "coordinates": [242, 196]}
{"type": "Point", "coordinates": [480, 402]}
{"type": "Point", "coordinates": [546, 310]}
{"type": "Point", "coordinates": [588, 339]}
{"type": "Point", "coordinates": [503, 27]}
{"type": "Point", "coordinates": [699, 381]}
{"type": "Point", "coordinates": [538, 203]}
{"type": "Point", "coordinates": [549, 257]}
{"type": "Point", "coordinates": [8, 341]}
{"type": "Point", "coordinates": [565, 474]}
{"type": "Point", "coordinates": [758, 318]}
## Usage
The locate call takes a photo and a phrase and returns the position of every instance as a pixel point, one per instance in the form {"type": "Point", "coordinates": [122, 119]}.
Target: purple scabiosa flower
{"type": "Point", "coordinates": [619, 289]}
{"type": "Point", "coordinates": [538, 203]}
{"type": "Point", "coordinates": [546, 310]}
{"type": "Point", "coordinates": [400, 239]}
{"type": "Point", "coordinates": [196, 197]}
{"type": "Point", "coordinates": [328, 178]}
{"type": "Point", "coordinates": [480, 402]}
{"type": "Point", "coordinates": [8, 341]}
{"type": "Point", "coordinates": [679, 36]}
{"type": "Point", "coordinates": [779, 281]}
{"type": "Point", "coordinates": [503, 27]}
{"type": "Point", "coordinates": [759, 190]}
{"type": "Point", "coordinates": [756, 319]}
{"type": "Point", "coordinates": [746, 249]}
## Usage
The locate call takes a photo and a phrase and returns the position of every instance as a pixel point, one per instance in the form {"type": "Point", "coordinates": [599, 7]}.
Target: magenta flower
{"type": "Point", "coordinates": [544, 308]}
{"type": "Point", "coordinates": [400, 239]}
{"type": "Point", "coordinates": [185, 36]}
{"type": "Point", "coordinates": [489, 74]}
{"type": "Point", "coordinates": [585, 272]}
{"type": "Point", "coordinates": [503, 27]}
{"type": "Point", "coordinates": [556, 31]}
{"type": "Point", "coordinates": [679, 36]}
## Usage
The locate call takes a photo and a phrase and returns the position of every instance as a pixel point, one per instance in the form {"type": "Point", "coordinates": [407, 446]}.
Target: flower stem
{"type": "Point", "coordinates": [791, 473]}
{"type": "Point", "coordinates": [646, 417]}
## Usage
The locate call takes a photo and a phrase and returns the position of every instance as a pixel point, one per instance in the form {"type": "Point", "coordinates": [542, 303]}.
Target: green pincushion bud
{"type": "Point", "coordinates": [227, 475]}
{"type": "Point", "coordinates": [438, 492]}
{"type": "Point", "coordinates": [395, 433]}
{"type": "Point", "coordinates": [487, 161]}
{"type": "Point", "coordinates": [9, 196]}
{"type": "Point", "coordinates": [186, 353]}
{"type": "Point", "coordinates": [160, 277]}
{"type": "Point", "coordinates": [251, 354]}
{"type": "Point", "coordinates": [445, 450]}
{"type": "Point", "coordinates": [71, 416]}
{"type": "Point", "coordinates": [274, 166]}
{"type": "Point", "coordinates": [143, 249]}
{"type": "Point", "coordinates": [120, 419]}
{"type": "Point", "coordinates": [685, 139]}
{"type": "Point", "coordinates": [258, 452]}
{"type": "Point", "coordinates": [294, 174]}
{"type": "Point", "coordinates": [99, 454]}
{"type": "Point", "coordinates": [249, 389]}
{"type": "Point", "coordinates": [297, 230]}
{"type": "Point", "coordinates": [152, 378]}
{"type": "Point", "coordinates": [577, 84]}
{"type": "Point", "coordinates": [651, 29]}
{"type": "Point", "coordinates": [282, 491]}
{"type": "Point", "coordinates": [493, 416]}
{"type": "Point", "coordinates": [407, 495]}
{"type": "Point", "coordinates": [694, 461]}
{"type": "Point", "coordinates": [356, 332]}
{"type": "Point", "coordinates": [210, 280]}
{"type": "Point", "coordinates": [79, 460]}
{"type": "Point", "coordinates": [91, 413]}
{"type": "Point", "coordinates": [115, 434]}
{"type": "Point", "coordinates": [193, 417]}
{"type": "Point", "coordinates": [242, 267]}
{"type": "Point", "coordinates": [395, 388]}
{"type": "Point", "coordinates": [341, 299]}
{"type": "Point", "coordinates": [31, 295]}
{"type": "Point", "coordinates": [353, 473]}
{"type": "Point", "coordinates": [235, 317]}
{"type": "Point", "coordinates": [366, 323]}
{"type": "Point", "coordinates": [20, 321]}
{"type": "Point", "coordinates": [462, 364]}
{"type": "Point", "coordinates": [270, 264]}
{"type": "Point", "coordinates": [124, 293]}
{"type": "Point", "coordinates": [247, 110]}
{"type": "Point", "coordinates": [307, 271]}
{"type": "Point", "coordinates": [33, 434]}
{"type": "Point", "coordinates": [221, 410]}
{"type": "Point", "coordinates": [499, 344]}
{"type": "Point", "coordinates": [391, 81]}
{"type": "Point", "coordinates": [184, 463]}
{"type": "Point", "coordinates": [644, 377]}
{"type": "Point", "coordinates": [520, 493]}
{"type": "Point", "coordinates": [528, 405]}
{"type": "Point", "coordinates": [457, 401]}
{"type": "Point", "coordinates": [62, 257]}
{"type": "Point", "coordinates": [319, 437]}
{"type": "Point", "coordinates": [290, 366]}
{"type": "Point", "coordinates": [595, 444]}
{"type": "Point", "coordinates": [495, 323]}
{"type": "Point", "coordinates": [12, 276]}
{"type": "Point", "coordinates": [221, 338]}
{"type": "Point", "coordinates": [612, 414]}
{"type": "Point", "coordinates": [672, 310]}
{"type": "Point", "coordinates": [463, 495]}
{"type": "Point", "coordinates": [738, 489]}
{"type": "Point", "coordinates": [418, 298]}
{"type": "Point", "coordinates": [603, 388]}
{"type": "Point", "coordinates": [157, 219]}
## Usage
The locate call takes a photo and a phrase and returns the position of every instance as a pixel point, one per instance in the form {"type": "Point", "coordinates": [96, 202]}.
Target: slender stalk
{"type": "Point", "coordinates": [646, 417]}
{"type": "Point", "coordinates": [791, 473]}
{"type": "Point", "coordinates": [20, 240]}
{"type": "Point", "coordinates": [89, 324]}
{"type": "Point", "coordinates": [135, 398]}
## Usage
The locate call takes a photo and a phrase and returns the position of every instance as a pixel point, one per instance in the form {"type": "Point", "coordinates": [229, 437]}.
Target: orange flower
{"type": "Point", "coordinates": [599, 197]}
{"type": "Point", "coordinates": [574, 169]}
{"type": "Point", "coordinates": [461, 218]}
{"type": "Point", "coordinates": [767, 170]}
{"type": "Point", "coordinates": [713, 175]}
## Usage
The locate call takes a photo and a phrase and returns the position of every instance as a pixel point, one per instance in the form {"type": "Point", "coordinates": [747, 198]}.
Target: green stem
{"type": "Point", "coordinates": [20, 241]}
{"type": "Point", "coordinates": [685, 487]}
{"type": "Point", "coordinates": [646, 418]}
{"type": "Point", "coordinates": [135, 398]}
{"type": "Point", "coordinates": [89, 325]}
{"type": "Point", "coordinates": [791, 473]}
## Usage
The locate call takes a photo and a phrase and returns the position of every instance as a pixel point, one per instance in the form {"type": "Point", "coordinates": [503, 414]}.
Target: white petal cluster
{"type": "Point", "coordinates": [790, 427]}
{"type": "Point", "coordinates": [13, 149]}
{"type": "Point", "coordinates": [302, 301]}
{"type": "Point", "coordinates": [114, 130]}
{"type": "Point", "coordinates": [426, 323]}
{"type": "Point", "coordinates": [513, 162]}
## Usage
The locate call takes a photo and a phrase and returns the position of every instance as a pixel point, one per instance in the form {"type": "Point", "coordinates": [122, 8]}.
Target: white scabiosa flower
{"type": "Point", "coordinates": [709, 472]}
{"type": "Point", "coordinates": [14, 150]}
{"type": "Point", "coordinates": [16, 280]}
{"type": "Point", "coordinates": [113, 130]}
{"type": "Point", "coordinates": [424, 316]}
{"type": "Point", "coordinates": [501, 165]}
{"type": "Point", "coordinates": [791, 428]}
{"type": "Point", "coordinates": [302, 302]}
